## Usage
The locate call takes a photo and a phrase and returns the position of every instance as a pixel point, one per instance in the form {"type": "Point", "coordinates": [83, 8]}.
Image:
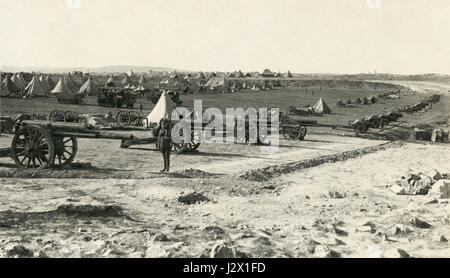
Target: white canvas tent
{"type": "Point", "coordinates": [110, 82]}
{"type": "Point", "coordinates": [256, 87]}
{"type": "Point", "coordinates": [44, 83]}
{"type": "Point", "coordinates": [142, 80]}
{"type": "Point", "coordinates": [72, 85]}
{"type": "Point", "coordinates": [162, 110]}
{"type": "Point", "coordinates": [61, 87]}
{"type": "Point", "coordinates": [200, 75]}
{"type": "Point", "coordinates": [130, 86]}
{"type": "Point", "coordinates": [9, 86]}
{"type": "Point", "coordinates": [321, 107]}
{"type": "Point", "coordinates": [35, 88]}
{"type": "Point", "coordinates": [130, 73]}
{"type": "Point", "coordinates": [19, 81]}
{"type": "Point", "coordinates": [3, 89]}
{"type": "Point", "coordinates": [89, 88]}
{"type": "Point", "coordinates": [126, 80]}
{"type": "Point", "coordinates": [50, 82]}
{"type": "Point", "coordinates": [140, 88]}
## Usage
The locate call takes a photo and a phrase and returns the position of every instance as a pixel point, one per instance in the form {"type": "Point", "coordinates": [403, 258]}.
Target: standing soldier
{"type": "Point", "coordinates": [165, 142]}
{"type": "Point", "coordinates": [141, 107]}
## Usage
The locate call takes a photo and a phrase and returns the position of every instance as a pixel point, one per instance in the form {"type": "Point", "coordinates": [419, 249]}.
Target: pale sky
{"type": "Point", "coordinates": [304, 36]}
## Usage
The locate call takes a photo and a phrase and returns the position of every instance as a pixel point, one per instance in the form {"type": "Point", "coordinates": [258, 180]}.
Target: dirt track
{"type": "Point", "coordinates": [292, 215]}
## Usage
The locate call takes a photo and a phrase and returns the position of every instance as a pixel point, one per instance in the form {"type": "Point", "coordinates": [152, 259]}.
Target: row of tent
{"type": "Point", "coordinates": [43, 86]}
{"type": "Point", "coordinates": [237, 74]}
{"type": "Point", "coordinates": [128, 83]}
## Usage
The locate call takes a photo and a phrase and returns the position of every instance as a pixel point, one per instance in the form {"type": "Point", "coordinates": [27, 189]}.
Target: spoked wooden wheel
{"type": "Point", "coordinates": [384, 121]}
{"type": "Point", "coordinates": [65, 150]}
{"type": "Point", "coordinates": [294, 134]}
{"type": "Point", "coordinates": [303, 132]}
{"type": "Point", "coordinates": [195, 141]}
{"type": "Point", "coordinates": [284, 132]}
{"type": "Point", "coordinates": [57, 116]}
{"type": "Point", "coordinates": [71, 116]}
{"type": "Point", "coordinates": [32, 147]}
{"type": "Point", "coordinates": [290, 133]}
{"type": "Point", "coordinates": [188, 146]}
{"type": "Point", "coordinates": [123, 117]}
{"type": "Point", "coordinates": [360, 127]}
{"type": "Point", "coordinates": [180, 147]}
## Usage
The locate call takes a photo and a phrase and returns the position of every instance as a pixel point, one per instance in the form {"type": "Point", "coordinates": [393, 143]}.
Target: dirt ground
{"type": "Point", "coordinates": [325, 197]}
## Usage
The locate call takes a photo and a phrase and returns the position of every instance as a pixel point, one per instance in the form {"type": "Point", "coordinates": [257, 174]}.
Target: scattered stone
{"type": "Point", "coordinates": [160, 237]}
{"type": "Point", "coordinates": [269, 187]}
{"type": "Point", "coordinates": [216, 231]}
{"type": "Point", "coordinates": [262, 241]}
{"type": "Point", "coordinates": [178, 227]}
{"type": "Point", "coordinates": [422, 186]}
{"type": "Point", "coordinates": [413, 184]}
{"type": "Point", "coordinates": [371, 225]}
{"type": "Point", "coordinates": [433, 201]}
{"type": "Point", "coordinates": [383, 236]}
{"type": "Point", "coordinates": [195, 173]}
{"type": "Point", "coordinates": [397, 189]}
{"type": "Point", "coordinates": [155, 251]}
{"type": "Point", "coordinates": [193, 198]}
{"type": "Point", "coordinates": [322, 251]}
{"type": "Point", "coordinates": [19, 251]}
{"type": "Point", "coordinates": [336, 195]}
{"type": "Point", "coordinates": [41, 254]}
{"type": "Point", "coordinates": [311, 245]}
{"type": "Point", "coordinates": [443, 239]}
{"type": "Point", "coordinates": [401, 230]}
{"type": "Point", "coordinates": [222, 250]}
{"type": "Point", "coordinates": [420, 223]}
{"type": "Point", "coordinates": [436, 175]}
{"type": "Point", "coordinates": [364, 229]}
{"type": "Point", "coordinates": [396, 253]}
{"type": "Point", "coordinates": [265, 232]}
{"type": "Point", "coordinates": [441, 189]}
{"type": "Point", "coordinates": [87, 238]}
{"type": "Point", "coordinates": [340, 232]}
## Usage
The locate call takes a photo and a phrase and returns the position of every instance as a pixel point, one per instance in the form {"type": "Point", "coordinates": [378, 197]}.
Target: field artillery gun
{"type": "Point", "coordinates": [130, 118]}
{"type": "Point", "coordinates": [68, 116]}
{"type": "Point", "coordinates": [116, 97]}
{"type": "Point", "coordinates": [377, 121]}
{"type": "Point", "coordinates": [41, 144]}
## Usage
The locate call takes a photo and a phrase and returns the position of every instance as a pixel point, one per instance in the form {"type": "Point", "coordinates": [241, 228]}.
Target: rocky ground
{"type": "Point", "coordinates": [330, 196]}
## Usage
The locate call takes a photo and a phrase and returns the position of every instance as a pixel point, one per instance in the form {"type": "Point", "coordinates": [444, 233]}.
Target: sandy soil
{"type": "Point", "coordinates": [125, 208]}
